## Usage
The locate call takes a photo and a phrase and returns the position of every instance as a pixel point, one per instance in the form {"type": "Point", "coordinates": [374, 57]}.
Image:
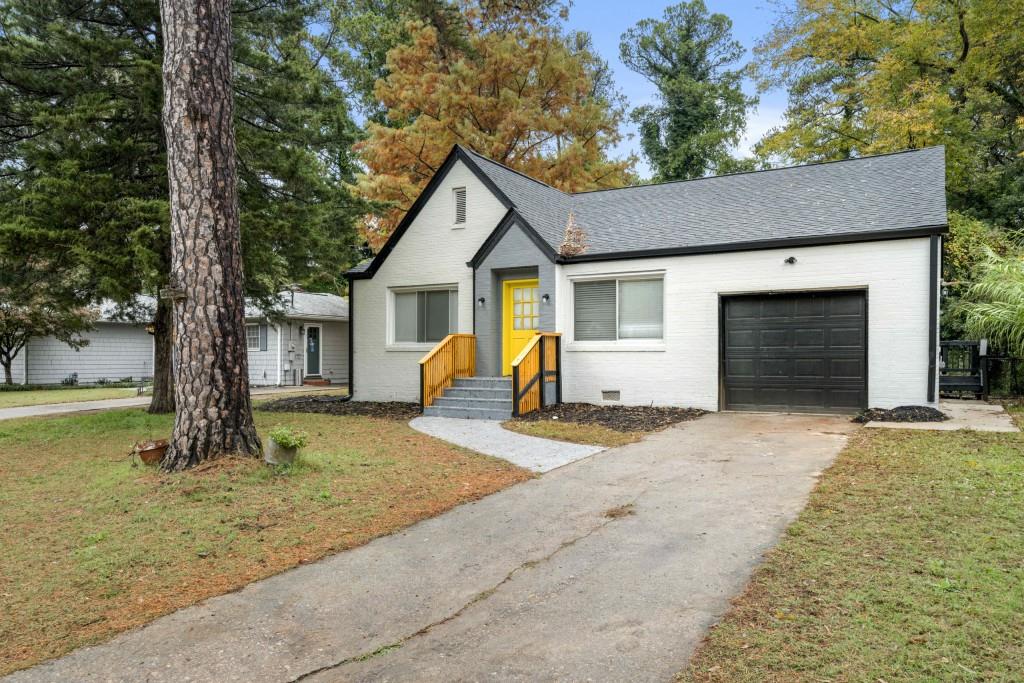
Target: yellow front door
{"type": "Point", "coordinates": [520, 319]}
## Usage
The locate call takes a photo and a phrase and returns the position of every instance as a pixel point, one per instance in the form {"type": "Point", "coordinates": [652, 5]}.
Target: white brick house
{"type": "Point", "coordinates": [812, 288]}
{"type": "Point", "coordinates": [306, 340]}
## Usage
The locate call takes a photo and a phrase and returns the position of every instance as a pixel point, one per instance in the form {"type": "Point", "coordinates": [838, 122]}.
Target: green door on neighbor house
{"type": "Point", "coordinates": [312, 351]}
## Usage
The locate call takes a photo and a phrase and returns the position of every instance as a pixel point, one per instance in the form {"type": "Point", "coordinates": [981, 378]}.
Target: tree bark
{"type": "Point", "coordinates": [211, 374]}
{"type": "Point", "coordinates": [8, 375]}
{"type": "Point", "coordinates": [163, 370]}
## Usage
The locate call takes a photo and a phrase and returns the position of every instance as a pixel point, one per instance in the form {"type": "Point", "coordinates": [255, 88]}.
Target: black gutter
{"type": "Point", "coordinates": [351, 339]}
{"type": "Point", "coordinates": [756, 245]}
{"type": "Point", "coordinates": [935, 247]}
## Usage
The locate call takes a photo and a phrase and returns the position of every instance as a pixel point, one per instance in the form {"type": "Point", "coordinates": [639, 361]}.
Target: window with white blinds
{"type": "Point", "coordinates": [459, 200]}
{"type": "Point", "coordinates": [425, 316]}
{"type": "Point", "coordinates": [609, 310]}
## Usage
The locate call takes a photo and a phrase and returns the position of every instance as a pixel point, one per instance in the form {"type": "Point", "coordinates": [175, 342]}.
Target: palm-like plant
{"type": "Point", "coordinates": [994, 304]}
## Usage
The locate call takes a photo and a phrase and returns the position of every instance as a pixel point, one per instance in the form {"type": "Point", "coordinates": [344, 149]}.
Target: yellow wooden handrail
{"type": "Point", "coordinates": [530, 344]}
{"type": "Point", "coordinates": [454, 356]}
{"type": "Point", "coordinates": [535, 365]}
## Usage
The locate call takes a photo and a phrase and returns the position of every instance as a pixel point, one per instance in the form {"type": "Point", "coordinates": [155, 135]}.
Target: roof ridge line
{"type": "Point", "coordinates": [512, 170]}
{"type": "Point", "coordinates": [762, 170]}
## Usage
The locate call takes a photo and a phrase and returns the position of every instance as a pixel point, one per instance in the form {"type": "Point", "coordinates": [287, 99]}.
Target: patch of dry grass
{"type": "Point", "coordinates": [37, 397]}
{"type": "Point", "coordinates": [575, 432]}
{"type": "Point", "coordinates": [91, 545]}
{"type": "Point", "coordinates": [906, 565]}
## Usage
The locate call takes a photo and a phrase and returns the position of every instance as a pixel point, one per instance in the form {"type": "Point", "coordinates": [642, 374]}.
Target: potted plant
{"type": "Point", "coordinates": [284, 445]}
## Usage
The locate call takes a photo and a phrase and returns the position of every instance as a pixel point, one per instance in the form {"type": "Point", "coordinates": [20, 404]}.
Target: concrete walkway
{"type": "Point", "coordinates": [976, 415]}
{"type": "Point", "coordinates": [133, 402]}
{"type": "Point", "coordinates": [608, 569]}
{"type": "Point", "coordinates": [490, 438]}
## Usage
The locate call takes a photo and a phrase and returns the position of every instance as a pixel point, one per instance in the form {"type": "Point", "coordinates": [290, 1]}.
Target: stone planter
{"type": "Point", "coordinates": [276, 454]}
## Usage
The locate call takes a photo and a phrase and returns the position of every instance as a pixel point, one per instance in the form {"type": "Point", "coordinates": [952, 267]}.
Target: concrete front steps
{"type": "Point", "coordinates": [475, 398]}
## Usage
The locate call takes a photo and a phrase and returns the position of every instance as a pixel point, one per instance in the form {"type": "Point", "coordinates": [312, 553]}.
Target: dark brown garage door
{"type": "Point", "coordinates": [796, 352]}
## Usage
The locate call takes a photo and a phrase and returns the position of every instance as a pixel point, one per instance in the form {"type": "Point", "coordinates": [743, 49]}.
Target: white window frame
{"type": "Point", "coordinates": [390, 344]}
{"type": "Point", "coordinates": [657, 345]}
{"type": "Point", "coordinates": [248, 345]}
{"type": "Point", "coordinates": [455, 207]}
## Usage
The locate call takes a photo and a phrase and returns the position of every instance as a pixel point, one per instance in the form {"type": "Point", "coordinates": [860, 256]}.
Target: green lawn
{"type": "Point", "coordinates": [907, 565]}
{"type": "Point", "coordinates": [35, 397]}
{"type": "Point", "coordinates": [91, 544]}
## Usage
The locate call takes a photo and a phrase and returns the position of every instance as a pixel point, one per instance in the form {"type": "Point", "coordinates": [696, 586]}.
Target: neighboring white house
{"type": "Point", "coordinates": [811, 288]}
{"type": "Point", "coordinates": [306, 341]}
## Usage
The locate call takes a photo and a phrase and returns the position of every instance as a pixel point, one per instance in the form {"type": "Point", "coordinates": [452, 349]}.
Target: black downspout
{"type": "Point", "coordinates": [351, 338]}
{"type": "Point", "coordinates": [935, 247]}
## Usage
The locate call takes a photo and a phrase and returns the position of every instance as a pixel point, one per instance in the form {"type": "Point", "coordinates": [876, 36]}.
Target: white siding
{"type": "Point", "coordinates": [683, 370]}
{"type": "Point", "coordinates": [115, 351]}
{"type": "Point", "coordinates": [334, 351]}
{"type": "Point", "coordinates": [430, 253]}
{"type": "Point", "coordinates": [263, 364]}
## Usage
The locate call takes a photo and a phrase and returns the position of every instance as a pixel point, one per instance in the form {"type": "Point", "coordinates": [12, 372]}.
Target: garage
{"type": "Point", "coordinates": [795, 352]}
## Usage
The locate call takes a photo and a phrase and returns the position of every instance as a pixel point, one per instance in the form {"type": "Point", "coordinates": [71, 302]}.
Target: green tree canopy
{"type": "Point", "coordinates": [82, 155]}
{"type": "Point", "coordinates": [691, 56]}
{"type": "Point", "coordinates": [871, 76]}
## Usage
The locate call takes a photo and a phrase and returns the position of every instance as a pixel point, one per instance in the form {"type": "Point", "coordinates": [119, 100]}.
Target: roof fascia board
{"type": "Point", "coordinates": [457, 154]}
{"type": "Point", "coordinates": [758, 245]}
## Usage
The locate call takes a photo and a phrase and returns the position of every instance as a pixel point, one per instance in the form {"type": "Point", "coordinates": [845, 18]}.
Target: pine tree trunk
{"type": "Point", "coordinates": [163, 367]}
{"type": "Point", "coordinates": [211, 374]}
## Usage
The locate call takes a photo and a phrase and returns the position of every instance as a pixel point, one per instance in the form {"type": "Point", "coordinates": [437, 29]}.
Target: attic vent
{"type": "Point", "coordinates": [459, 195]}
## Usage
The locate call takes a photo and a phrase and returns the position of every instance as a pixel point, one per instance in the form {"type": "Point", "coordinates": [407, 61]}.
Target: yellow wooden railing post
{"type": "Point", "coordinates": [454, 356]}
{"type": "Point", "coordinates": [539, 362]}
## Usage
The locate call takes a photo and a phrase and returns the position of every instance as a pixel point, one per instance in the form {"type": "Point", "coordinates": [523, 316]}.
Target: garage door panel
{"type": "Point", "coordinates": [846, 368]}
{"type": "Point", "coordinates": [846, 337]}
{"type": "Point", "coordinates": [799, 352]}
{"type": "Point", "coordinates": [741, 339]}
{"type": "Point", "coordinates": [809, 308]}
{"type": "Point", "coordinates": [811, 338]}
{"type": "Point", "coordinates": [775, 339]}
{"type": "Point", "coordinates": [846, 306]}
{"type": "Point", "coordinates": [740, 368]}
{"type": "Point", "coordinates": [809, 368]}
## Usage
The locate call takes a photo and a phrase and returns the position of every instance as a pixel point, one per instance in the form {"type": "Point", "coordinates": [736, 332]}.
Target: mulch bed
{"type": "Point", "coordinates": [901, 414]}
{"type": "Point", "coordinates": [619, 418]}
{"type": "Point", "coordinates": [337, 405]}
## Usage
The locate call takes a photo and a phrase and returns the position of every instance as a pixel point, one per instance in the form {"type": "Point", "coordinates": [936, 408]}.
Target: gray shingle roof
{"type": "Point", "coordinates": [871, 194]}
{"type": "Point", "coordinates": [836, 201]}
{"type": "Point", "coordinates": [306, 305]}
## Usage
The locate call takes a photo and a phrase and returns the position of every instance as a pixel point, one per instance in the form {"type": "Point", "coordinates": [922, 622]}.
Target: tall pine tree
{"type": "Point", "coordinates": [83, 161]}
{"type": "Point", "coordinates": [691, 56]}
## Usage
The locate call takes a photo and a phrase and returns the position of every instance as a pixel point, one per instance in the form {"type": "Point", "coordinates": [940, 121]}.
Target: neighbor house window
{"type": "Point", "coordinates": [459, 201]}
{"type": "Point", "coordinates": [609, 310]}
{"type": "Point", "coordinates": [252, 337]}
{"type": "Point", "coordinates": [426, 316]}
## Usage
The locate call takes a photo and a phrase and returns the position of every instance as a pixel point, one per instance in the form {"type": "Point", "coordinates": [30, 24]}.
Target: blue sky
{"type": "Point", "coordinates": [607, 20]}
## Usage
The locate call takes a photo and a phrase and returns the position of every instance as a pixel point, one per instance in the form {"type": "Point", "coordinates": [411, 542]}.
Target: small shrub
{"type": "Point", "coordinates": [286, 437]}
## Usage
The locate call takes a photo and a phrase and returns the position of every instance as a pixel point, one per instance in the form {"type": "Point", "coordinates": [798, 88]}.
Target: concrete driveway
{"type": "Point", "coordinates": [608, 569]}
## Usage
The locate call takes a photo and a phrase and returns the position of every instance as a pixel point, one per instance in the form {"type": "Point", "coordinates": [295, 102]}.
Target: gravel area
{"type": "Point", "coordinates": [339, 405]}
{"type": "Point", "coordinates": [619, 418]}
{"type": "Point", "coordinates": [901, 414]}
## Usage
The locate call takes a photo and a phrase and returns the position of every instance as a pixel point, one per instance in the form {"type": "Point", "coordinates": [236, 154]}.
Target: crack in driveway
{"type": "Point", "coordinates": [611, 515]}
